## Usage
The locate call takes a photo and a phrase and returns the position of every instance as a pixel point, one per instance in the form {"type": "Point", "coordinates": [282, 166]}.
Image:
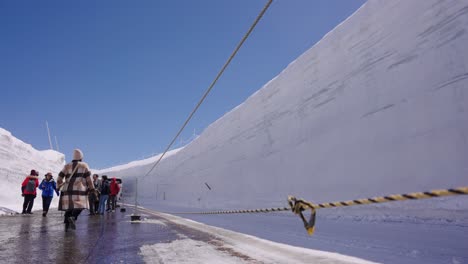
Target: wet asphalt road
{"type": "Point", "coordinates": [111, 238]}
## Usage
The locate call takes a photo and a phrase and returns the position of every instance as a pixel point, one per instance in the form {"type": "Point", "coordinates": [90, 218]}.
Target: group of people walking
{"type": "Point", "coordinates": [77, 191]}
{"type": "Point", "coordinates": [47, 186]}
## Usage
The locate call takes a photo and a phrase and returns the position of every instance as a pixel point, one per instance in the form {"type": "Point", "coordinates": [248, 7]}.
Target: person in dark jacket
{"type": "Point", "coordinates": [94, 196]}
{"type": "Point", "coordinates": [28, 188]}
{"type": "Point", "coordinates": [105, 190]}
{"type": "Point", "coordinates": [48, 187]}
{"type": "Point", "coordinates": [74, 182]}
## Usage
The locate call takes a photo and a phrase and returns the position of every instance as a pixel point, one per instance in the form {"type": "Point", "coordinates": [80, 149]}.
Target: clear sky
{"type": "Point", "coordinates": [118, 78]}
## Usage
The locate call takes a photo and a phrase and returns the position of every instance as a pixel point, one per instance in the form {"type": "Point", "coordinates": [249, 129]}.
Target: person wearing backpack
{"type": "Point", "coordinates": [74, 182]}
{"type": "Point", "coordinates": [105, 190]}
{"type": "Point", "coordinates": [48, 187]}
{"type": "Point", "coordinates": [28, 188]}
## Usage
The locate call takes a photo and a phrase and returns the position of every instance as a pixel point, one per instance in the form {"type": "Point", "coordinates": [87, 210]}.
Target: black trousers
{"type": "Point", "coordinates": [92, 203]}
{"type": "Point", "coordinates": [108, 205]}
{"type": "Point", "coordinates": [28, 202]}
{"type": "Point", "coordinates": [113, 201]}
{"type": "Point", "coordinates": [46, 203]}
{"type": "Point", "coordinates": [72, 213]}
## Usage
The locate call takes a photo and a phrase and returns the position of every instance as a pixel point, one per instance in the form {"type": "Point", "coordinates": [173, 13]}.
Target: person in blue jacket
{"type": "Point", "coordinates": [48, 187]}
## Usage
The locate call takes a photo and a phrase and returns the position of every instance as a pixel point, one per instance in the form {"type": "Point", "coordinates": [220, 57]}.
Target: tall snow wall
{"type": "Point", "coordinates": [378, 106]}
{"type": "Point", "coordinates": [17, 159]}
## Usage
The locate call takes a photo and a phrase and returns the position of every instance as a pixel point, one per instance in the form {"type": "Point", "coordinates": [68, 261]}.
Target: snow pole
{"type": "Point", "coordinates": [135, 217]}
{"type": "Point", "coordinates": [299, 205]}
{"type": "Point", "coordinates": [122, 199]}
{"type": "Point", "coordinates": [122, 209]}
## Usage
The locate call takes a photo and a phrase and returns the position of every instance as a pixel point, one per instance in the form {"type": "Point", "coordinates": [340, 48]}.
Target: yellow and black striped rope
{"type": "Point", "coordinates": [379, 199]}
{"type": "Point", "coordinates": [266, 210]}
{"type": "Point", "coordinates": [298, 205]}
{"type": "Point", "coordinates": [373, 200]}
{"type": "Point", "coordinates": [392, 198]}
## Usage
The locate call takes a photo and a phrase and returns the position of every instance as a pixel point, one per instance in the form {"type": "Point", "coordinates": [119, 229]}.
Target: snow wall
{"type": "Point", "coordinates": [17, 159]}
{"type": "Point", "coordinates": [378, 106]}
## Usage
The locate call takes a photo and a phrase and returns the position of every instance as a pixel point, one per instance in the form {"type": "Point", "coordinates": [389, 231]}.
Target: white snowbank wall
{"type": "Point", "coordinates": [378, 106]}
{"type": "Point", "coordinates": [17, 159]}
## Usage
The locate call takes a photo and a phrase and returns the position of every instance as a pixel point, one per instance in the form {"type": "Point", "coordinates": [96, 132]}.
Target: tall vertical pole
{"type": "Point", "coordinates": [56, 143]}
{"type": "Point", "coordinates": [48, 133]}
{"type": "Point", "coordinates": [135, 217]}
{"type": "Point", "coordinates": [136, 194]}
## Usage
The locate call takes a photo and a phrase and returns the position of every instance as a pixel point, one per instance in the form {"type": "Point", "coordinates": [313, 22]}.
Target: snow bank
{"type": "Point", "coordinates": [226, 246]}
{"type": "Point", "coordinates": [17, 159]}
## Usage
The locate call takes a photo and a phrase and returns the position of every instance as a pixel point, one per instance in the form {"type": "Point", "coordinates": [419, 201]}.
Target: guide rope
{"type": "Point", "coordinates": [260, 15]}
{"type": "Point", "coordinates": [298, 206]}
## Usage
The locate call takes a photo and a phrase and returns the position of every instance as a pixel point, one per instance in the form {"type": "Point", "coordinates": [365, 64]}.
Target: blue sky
{"type": "Point", "coordinates": [118, 78]}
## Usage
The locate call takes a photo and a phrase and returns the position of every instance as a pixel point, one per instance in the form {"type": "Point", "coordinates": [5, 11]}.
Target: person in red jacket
{"type": "Point", "coordinates": [28, 188]}
{"type": "Point", "coordinates": [114, 190]}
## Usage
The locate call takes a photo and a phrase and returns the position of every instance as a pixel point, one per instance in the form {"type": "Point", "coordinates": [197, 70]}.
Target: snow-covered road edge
{"type": "Point", "coordinates": [257, 250]}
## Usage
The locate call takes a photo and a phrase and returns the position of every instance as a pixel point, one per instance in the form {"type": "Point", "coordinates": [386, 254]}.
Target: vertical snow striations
{"type": "Point", "coordinates": [17, 159]}
{"type": "Point", "coordinates": [378, 106]}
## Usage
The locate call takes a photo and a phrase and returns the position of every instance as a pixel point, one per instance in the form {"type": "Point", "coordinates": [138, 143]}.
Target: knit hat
{"type": "Point", "coordinates": [77, 154]}
{"type": "Point", "coordinates": [34, 173]}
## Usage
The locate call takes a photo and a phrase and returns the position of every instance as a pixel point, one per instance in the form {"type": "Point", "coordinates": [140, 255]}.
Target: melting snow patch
{"type": "Point", "coordinates": [153, 221]}
{"type": "Point", "coordinates": [186, 251]}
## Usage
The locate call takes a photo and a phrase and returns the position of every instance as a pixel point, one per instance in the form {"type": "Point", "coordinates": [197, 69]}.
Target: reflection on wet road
{"type": "Point", "coordinates": [111, 238]}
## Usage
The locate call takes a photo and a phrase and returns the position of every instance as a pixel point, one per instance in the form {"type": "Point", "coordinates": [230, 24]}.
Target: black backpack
{"type": "Point", "coordinates": [30, 186]}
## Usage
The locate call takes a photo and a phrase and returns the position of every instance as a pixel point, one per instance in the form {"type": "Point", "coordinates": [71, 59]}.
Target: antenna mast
{"type": "Point", "coordinates": [56, 143]}
{"type": "Point", "coordinates": [48, 133]}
